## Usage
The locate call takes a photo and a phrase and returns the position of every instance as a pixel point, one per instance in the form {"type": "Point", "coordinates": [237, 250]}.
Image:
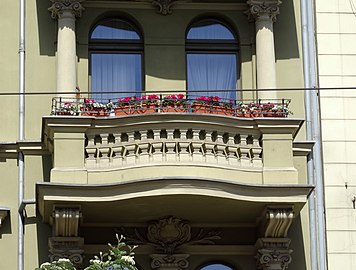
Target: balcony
{"type": "Point", "coordinates": [172, 136]}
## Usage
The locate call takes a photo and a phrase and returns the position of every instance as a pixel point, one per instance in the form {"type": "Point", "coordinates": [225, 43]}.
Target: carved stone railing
{"type": "Point", "coordinates": [184, 145]}
{"type": "Point", "coordinates": [107, 150]}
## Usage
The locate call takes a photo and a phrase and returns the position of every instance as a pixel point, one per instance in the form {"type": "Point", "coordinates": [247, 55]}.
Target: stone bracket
{"type": "Point", "coordinates": [65, 221]}
{"type": "Point", "coordinates": [276, 220]}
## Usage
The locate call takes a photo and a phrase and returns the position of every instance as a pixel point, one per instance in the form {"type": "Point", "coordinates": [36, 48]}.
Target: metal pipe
{"type": "Point", "coordinates": [315, 169]}
{"type": "Point", "coordinates": [21, 164]}
{"type": "Point", "coordinates": [311, 200]}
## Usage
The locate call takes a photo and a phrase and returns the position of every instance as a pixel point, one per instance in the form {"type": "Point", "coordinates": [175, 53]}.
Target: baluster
{"type": "Point", "coordinates": [91, 151]}
{"type": "Point", "coordinates": [104, 151]}
{"type": "Point", "coordinates": [244, 150]}
{"type": "Point", "coordinates": [157, 146]}
{"type": "Point", "coordinates": [257, 152]}
{"type": "Point", "coordinates": [144, 148]}
{"type": "Point", "coordinates": [220, 148]}
{"type": "Point", "coordinates": [197, 146]}
{"type": "Point", "coordinates": [130, 147]}
{"type": "Point", "coordinates": [184, 143]}
{"type": "Point", "coordinates": [209, 146]}
{"type": "Point", "coordinates": [170, 146]}
{"type": "Point", "coordinates": [117, 150]}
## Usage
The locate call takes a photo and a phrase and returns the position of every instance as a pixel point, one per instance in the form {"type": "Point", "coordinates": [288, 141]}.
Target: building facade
{"type": "Point", "coordinates": [335, 33]}
{"type": "Point", "coordinates": [223, 184]}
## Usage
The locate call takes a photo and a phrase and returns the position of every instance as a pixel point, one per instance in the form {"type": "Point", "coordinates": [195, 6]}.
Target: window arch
{"type": "Point", "coordinates": [116, 56]}
{"type": "Point", "coordinates": [212, 58]}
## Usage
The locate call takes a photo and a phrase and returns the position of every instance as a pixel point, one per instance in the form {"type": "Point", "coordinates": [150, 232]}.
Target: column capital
{"type": "Point", "coordinates": [169, 262]}
{"type": "Point", "coordinates": [71, 248]}
{"type": "Point", "coordinates": [273, 253]}
{"type": "Point", "coordinates": [59, 6]}
{"type": "Point", "coordinates": [263, 9]}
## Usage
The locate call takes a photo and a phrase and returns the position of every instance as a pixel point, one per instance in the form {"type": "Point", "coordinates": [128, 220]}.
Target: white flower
{"type": "Point", "coordinates": [63, 260]}
{"type": "Point", "coordinates": [128, 259]}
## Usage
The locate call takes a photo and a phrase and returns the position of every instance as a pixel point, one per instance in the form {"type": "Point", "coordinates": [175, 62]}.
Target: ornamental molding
{"type": "Point", "coordinates": [273, 254]}
{"type": "Point", "coordinates": [263, 8]}
{"type": "Point", "coordinates": [71, 248]}
{"type": "Point", "coordinates": [168, 234]}
{"type": "Point", "coordinates": [276, 221]}
{"type": "Point", "coordinates": [59, 6]}
{"type": "Point", "coordinates": [164, 6]}
{"type": "Point", "coordinates": [174, 261]}
{"type": "Point", "coordinates": [66, 221]}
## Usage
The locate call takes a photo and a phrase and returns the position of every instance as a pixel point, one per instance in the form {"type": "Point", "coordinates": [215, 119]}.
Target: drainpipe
{"type": "Point", "coordinates": [315, 169]}
{"type": "Point", "coordinates": [21, 164]}
{"type": "Point", "coordinates": [317, 150]}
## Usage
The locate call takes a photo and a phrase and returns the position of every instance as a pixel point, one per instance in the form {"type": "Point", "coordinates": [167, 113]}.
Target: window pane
{"type": "Point", "coordinates": [212, 72]}
{"type": "Point", "coordinates": [115, 72]}
{"type": "Point", "coordinates": [216, 267]}
{"type": "Point", "coordinates": [114, 29]}
{"type": "Point", "coordinates": [210, 30]}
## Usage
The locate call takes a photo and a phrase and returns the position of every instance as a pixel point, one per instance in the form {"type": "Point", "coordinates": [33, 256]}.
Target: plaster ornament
{"type": "Point", "coordinates": [263, 8]}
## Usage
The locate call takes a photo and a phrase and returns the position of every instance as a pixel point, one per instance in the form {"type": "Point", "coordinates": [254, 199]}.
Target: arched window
{"type": "Point", "coordinates": [216, 266]}
{"type": "Point", "coordinates": [116, 52]}
{"type": "Point", "coordinates": [212, 58]}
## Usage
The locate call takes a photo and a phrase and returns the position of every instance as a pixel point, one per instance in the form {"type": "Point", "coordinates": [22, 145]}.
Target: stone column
{"type": "Point", "coordinates": [66, 11]}
{"type": "Point", "coordinates": [265, 13]}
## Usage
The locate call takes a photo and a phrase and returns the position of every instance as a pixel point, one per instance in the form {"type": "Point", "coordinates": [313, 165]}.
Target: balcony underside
{"type": "Point", "coordinates": [133, 202]}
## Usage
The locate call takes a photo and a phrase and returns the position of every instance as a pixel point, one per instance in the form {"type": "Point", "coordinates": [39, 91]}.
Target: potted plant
{"type": "Point", "coordinates": [124, 106]}
{"type": "Point", "coordinates": [149, 104]}
{"type": "Point", "coordinates": [205, 104]}
{"type": "Point", "coordinates": [68, 108]}
{"type": "Point", "coordinates": [174, 103]}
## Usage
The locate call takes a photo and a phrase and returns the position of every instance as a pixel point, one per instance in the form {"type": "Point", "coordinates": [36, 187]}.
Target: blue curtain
{"type": "Point", "coordinates": [210, 30]}
{"type": "Point", "coordinates": [212, 72]}
{"type": "Point", "coordinates": [115, 72]}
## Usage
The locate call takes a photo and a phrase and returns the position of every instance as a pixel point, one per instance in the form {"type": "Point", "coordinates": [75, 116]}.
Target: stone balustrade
{"type": "Point", "coordinates": [184, 145]}
{"type": "Point", "coordinates": [91, 150]}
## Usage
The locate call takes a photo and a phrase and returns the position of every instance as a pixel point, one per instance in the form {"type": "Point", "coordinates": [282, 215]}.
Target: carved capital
{"type": "Point", "coordinates": [164, 6]}
{"type": "Point", "coordinates": [263, 9]}
{"type": "Point", "coordinates": [273, 254]}
{"type": "Point", "coordinates": [173, 262]}
{"type": "Point", "coordinates": [59, 6]}
{"type": "Point", "coordinates": [67, 247]}
{"type": "Point", "coordinates": [66, 221]}
{"type": "Point", "coordinates": [276, 221]}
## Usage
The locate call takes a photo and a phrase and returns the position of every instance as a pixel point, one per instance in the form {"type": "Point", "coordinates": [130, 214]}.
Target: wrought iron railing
{"type": "Point", "coordinates": [177, 103]}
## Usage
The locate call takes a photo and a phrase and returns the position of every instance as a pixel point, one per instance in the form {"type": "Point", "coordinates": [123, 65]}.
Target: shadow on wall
{"type": "Point", "coordinates": [298, 246]}
{"type": "Point", "coordinates": [6, 226]}
{"type": "Point", "coordinates": [46, 168]}
{"type": "Point", "coordinates": [285, 32]}
{"type": "Point", "coordinates": [47, 29]}
{"type": "Point", "coordinates": [43, 233]}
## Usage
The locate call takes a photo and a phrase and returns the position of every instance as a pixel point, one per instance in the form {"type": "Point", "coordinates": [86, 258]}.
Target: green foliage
{"type": "Point", "coordinates": [119, 257]}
